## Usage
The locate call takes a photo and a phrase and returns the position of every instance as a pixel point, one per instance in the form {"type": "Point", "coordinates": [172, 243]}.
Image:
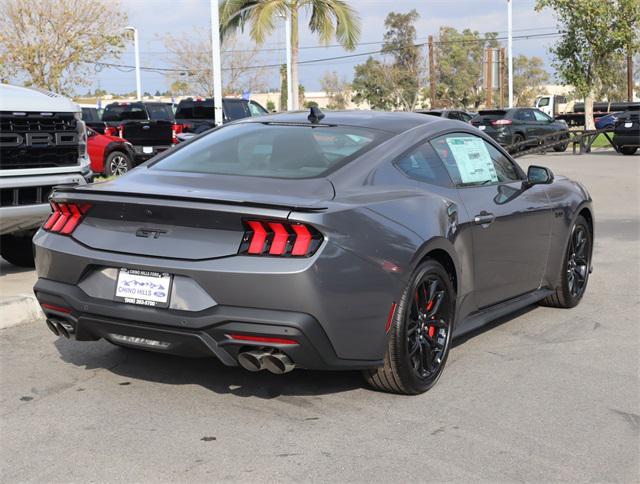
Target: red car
{"type": "Point", "coordinates": [109, 155]}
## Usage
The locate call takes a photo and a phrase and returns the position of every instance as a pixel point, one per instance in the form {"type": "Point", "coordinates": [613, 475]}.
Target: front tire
{"type": "Point", "coordinates": [17, 250]}
{"type": "Point", "coordinates": [420, 334]}
{"type": "Point", "coordinates": [117, 163]}
{"type": "Point", "coordinates": [576, 264]}
{"type": "Point", "coordinates": [629, 150]}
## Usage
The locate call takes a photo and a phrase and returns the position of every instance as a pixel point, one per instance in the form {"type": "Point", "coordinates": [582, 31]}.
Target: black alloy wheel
{"type": "Point", "coordinates": [420, 334]}
{"type": "Point", "coordinates": [574, 274]}
{"type": "Point", "coordinates": [578, 261]}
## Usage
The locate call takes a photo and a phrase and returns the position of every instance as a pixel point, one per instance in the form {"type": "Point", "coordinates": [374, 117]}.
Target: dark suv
{"type": "Point", "coordinates": [148, 126]}
{"type": "Point", "coordinates": [196, 115]}
{"type": "Point", "coordinates": [515, 125]}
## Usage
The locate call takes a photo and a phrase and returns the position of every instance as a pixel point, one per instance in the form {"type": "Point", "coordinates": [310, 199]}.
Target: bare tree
{"type": "Point", "coordinates": [338, 90]}
{"type": "Point", "coordinates": [191, 54]}
{"type": "Point", "coordinates": [47, 43]}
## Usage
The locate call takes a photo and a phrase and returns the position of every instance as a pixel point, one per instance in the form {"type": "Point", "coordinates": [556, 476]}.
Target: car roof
{"type": "Point", "coordinates": [392, 122]}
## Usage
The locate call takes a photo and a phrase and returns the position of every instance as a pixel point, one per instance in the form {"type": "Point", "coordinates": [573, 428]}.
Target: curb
{"type": "Point", "coordinates": [19, 309]}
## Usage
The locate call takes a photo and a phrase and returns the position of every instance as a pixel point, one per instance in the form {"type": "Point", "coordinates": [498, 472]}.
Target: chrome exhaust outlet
{"type": "Point", "coordinates": [252, 360]}
{"type": "Point", "coordinates": [52, 326]}
{"type": "Point", "coordinates": [278, 363]}
{"type": "Point", "coordinates": [65, 329]}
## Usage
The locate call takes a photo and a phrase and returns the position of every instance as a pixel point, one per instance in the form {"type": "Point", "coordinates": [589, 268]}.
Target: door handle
{"type": "Point", "coordinates": [484, 218]}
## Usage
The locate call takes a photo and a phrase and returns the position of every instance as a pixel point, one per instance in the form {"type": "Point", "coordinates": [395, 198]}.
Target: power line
{"type": "Point", "coordinates": [326, 59]}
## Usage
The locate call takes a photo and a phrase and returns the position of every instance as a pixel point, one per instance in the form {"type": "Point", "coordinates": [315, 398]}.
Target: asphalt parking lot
{"type": "Point", "coordinates": [544, 395]}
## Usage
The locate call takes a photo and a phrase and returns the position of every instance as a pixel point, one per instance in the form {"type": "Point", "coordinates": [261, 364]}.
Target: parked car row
{"type": "Point", "coordinates": [514, 126]}
{"type": "Point", "coordinates": [129, 133]}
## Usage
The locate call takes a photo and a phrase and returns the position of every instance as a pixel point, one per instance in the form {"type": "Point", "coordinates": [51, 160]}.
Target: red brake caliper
{"type": "Point", "coordinates": [432, 329]}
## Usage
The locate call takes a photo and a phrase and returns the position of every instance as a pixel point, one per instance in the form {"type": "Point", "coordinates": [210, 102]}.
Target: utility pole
{"type": "Point", "coordinates": [432, 75]}
{"type": "Point", "coordinates": [136, 48]}
{"type": "Point", "coordinates": [501, 74]}
{"type": "Point", "coordinates": [629, 77]}
{"type": "Point", "coordinates": [510, 50]}
{"type": "Point", "coordinates": [287, 31]}
{"type": "Point", "coordinates": [216, 71]}
{"type": "Point", "coordinates": [489, 78]}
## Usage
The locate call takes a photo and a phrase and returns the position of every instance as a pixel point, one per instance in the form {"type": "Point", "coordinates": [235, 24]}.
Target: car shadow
{"type": "Point", "coordinates": [6, 268]}
{"type": "Point", "coordinates": [208, 373]}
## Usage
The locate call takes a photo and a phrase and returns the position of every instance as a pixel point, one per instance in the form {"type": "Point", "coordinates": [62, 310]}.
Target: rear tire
{"type": "Point", "coordinates": [628, 150]}
{"type": "Point", "coordinates": [17, 250]}
{"type": "Point", "coordinates": [574, 273]}
{"type": "Point", "coordinates": [117, 163]}
{"type": "Point", "coordinates": [517, 138]}
{"type": "Point", "coordinates": [420, 334]}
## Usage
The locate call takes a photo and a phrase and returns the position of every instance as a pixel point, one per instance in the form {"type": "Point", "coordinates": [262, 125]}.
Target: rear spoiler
{"type": "Point", "coordinates": [500, 112]}
{"type": "Point", "coordinates": [62, 193]}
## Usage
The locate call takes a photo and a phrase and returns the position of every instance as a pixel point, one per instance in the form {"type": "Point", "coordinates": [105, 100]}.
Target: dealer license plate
{"type": "Point", "coordinates": [628, 125]}
{"type": "Point", "coordinates": [482, 127]}
{"type": "Point", "coordinates": [147, 149]}
{"type": "Point", "coordinates": [146, 288]}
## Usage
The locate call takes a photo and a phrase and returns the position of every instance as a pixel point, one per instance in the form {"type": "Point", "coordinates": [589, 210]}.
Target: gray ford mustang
{"type": "Point", "coordinates": [345, 240]}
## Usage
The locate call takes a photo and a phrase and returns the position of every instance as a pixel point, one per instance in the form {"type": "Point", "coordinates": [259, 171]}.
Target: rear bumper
{"type": "Point", "coordinates": [622, 140]}
{"type": "Point", "coordinates": [140, 155]}
{"type": "Point", "coordinates": [204, 334]}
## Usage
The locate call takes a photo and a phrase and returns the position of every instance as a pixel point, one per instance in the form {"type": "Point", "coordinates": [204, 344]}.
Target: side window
{"type": "Point", "coordinates": [256, 109]}
{"type": "Point", "coordinates": [454, 115]}
{"type": "Point", "coordinates": [540, 116]}
{"type": "Point", "coordinates": [423, 164]}
{"type": "Point", "coordinates": [470, 160]}
{"type": "Point", "coordinates": [525, 115]}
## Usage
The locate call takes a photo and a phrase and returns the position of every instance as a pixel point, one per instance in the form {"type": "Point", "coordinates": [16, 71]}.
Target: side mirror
{"type": "Point", "coordinates": [538, 175]}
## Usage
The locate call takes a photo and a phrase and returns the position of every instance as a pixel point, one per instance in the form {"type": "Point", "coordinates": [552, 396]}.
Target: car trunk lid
{"type": "Point", "coordinates": [183, 215]}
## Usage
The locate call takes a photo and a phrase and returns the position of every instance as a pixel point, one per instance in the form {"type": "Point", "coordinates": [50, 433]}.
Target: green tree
{"type": "Point", "coordinates": [595, 34]}
{"type": "Point", "coordinates": [329, 19]}
{"type": "Point", "coordinates": [48, 43]}
{"type": "Point", "coordinates": [372, 83]}
{"type": "Point", "coordinates": [400, 44]}
{"type": "Point", "coordinates": [179, 88]}
{"type": "Point", "coordinates": [529, 75]}
{"type": "Point", "coordinates": [284, 88]}
{"type": "Point", "coordinates": [271, 106]}
{"type": "Point", "coordinates": [459, 66]}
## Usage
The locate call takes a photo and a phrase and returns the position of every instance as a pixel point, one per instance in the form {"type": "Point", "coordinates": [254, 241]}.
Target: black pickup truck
{"type": "Point", "coordinates": [196, 115]}
{"type": "Point", "coordinates": [148, 126]}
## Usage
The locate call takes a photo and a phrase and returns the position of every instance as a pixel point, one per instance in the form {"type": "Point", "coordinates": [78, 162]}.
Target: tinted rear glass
{"type": "Point", "coordinates": [160, 112]}
{"type": "Point", "coordinates": [90, 115]}
{"type": "Point", "coordinates": [236, 109]}
{"type": "Point", "coordinates": [121, 112]}
{"type": "Point", "coordinates": [272, 150]}
{"type": "Point", "coordinates": [195, 110]}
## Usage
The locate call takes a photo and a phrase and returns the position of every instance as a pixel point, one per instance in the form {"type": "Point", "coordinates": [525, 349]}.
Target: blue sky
{"type": "Point", "coordinates": [154, 18]}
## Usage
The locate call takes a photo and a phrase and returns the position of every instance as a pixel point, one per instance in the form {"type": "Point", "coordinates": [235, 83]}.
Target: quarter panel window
{"type": "Point", "coordinates": [423, 164]}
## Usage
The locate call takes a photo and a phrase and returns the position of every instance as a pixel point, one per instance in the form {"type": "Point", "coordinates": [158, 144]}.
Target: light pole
{"type": "Point", "coordinates": [216, 60]}
{"type": "Point", "coordinates": [287, 30]}
{"type": "Point", "coordinates": [136, 48]}
{"type": "Point", "coordinates": [510, 51]}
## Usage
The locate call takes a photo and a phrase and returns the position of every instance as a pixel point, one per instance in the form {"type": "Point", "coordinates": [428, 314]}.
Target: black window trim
{"type": "Point", "coordinates": [490, 141]}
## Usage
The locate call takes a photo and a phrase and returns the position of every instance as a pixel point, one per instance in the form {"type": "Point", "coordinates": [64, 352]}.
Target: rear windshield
{"type": "Point", "coordinates": [160, 112]}
{"type": "Point", "coordinates": [122, 112]}
{"type": "Point", "coordinates": [272, 150]}
{"type": "Point", "coordinates": [195, 110]}
{"type": "Point", "coordinates": [90, 115]}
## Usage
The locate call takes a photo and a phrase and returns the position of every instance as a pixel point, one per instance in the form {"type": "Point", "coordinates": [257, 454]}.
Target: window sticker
{"type": "Point", "coordinates": [473, 159]}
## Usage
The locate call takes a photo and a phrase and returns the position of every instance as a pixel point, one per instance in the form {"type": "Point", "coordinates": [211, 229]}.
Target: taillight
{"type": "Point", "coordinates": [110, 131]}
{"type": "Point", "coordinates": [65, 217]}
{"type": "Point", "coordinates": [176, 129]}
{"type": "Point", "coordinates": [501, 122]}
{"type": "Point", "coordinates": [279, 239]}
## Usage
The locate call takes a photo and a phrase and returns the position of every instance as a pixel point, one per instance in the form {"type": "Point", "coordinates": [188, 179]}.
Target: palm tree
{"type": "Point", "coordinates": [329, 19]}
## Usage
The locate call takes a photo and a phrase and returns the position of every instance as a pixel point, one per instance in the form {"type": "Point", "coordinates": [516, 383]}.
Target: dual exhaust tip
{"type": "Point", "coordinates": [61, 328]}
{"type": "Point", "coordinates": [257, 360]}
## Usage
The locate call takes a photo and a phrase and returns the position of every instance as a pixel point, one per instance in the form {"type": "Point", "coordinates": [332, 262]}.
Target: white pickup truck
{"type": "Point", "coordinates": [43, 143]}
